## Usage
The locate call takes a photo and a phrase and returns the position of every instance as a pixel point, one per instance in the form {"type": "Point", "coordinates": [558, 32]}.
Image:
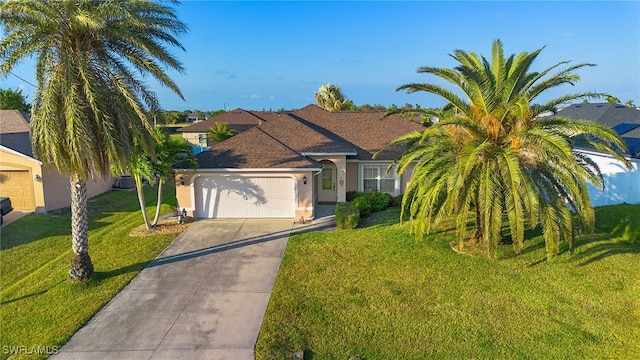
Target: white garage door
{"type": "Point", "coordinates": [244, 197]}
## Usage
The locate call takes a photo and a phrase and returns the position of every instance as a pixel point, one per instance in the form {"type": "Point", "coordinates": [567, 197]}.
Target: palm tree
{"type": "Point", "coordinates": [493, 155]}
{"type": "Point", "coordinates": [140, 166]}
{"type": "Point", "coordinates": [169, 152]}
{"type": "Point", "coordinates": [220, 132]}
{"type": "Point", "coordinates": [90, 103]}
{"type": "Point", "coordinates": [330, 98]}
{"type": "Point", "coordinates": [157, 168]}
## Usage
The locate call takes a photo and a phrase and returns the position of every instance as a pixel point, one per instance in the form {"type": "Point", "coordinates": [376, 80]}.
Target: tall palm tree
{"type": "Point", "coordinates": [493, 155]}
{"type": "Point", "coordinates": [90, 103]}
{"type": "Point", "coordinates": [330, 98]}
{"type": "Point", "coordinates": [221, 131]}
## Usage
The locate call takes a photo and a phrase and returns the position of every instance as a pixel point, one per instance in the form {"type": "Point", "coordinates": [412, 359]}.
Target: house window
{"type": "Point", "coordinates": [327, 179]}
{"type": "Point", "coordinates": [375, 177]}
{"type": "Point", "coordinates": [202, 139]}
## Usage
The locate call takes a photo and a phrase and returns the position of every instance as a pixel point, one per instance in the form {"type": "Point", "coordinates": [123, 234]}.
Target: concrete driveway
{"type": "Point", "coordinates": [14, 215]}
{"type": "Point", "coordinates": [204, 297]}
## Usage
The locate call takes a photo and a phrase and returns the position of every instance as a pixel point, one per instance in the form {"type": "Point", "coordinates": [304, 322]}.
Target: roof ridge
{"type": "Point", "coordinates": [278, 141]}
{"type": "Point", "coordinates": [323, 131]}
{"type": "Point", "coordinates": [259, 118]}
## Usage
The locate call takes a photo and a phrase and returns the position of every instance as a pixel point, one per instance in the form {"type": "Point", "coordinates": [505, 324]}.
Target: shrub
{"type": "Point", "coordinates": [351, 195]}
{"type": "Point", "coordinates": [379, 201]}
{"type": "Point", "coordinates": [396, 201]}
{"type": "Point", "coordinates": [347, 216]}
{"type": "Point", "coordinates": [363, 204]}
{"type": "Point", "coordinates": [371, 201]}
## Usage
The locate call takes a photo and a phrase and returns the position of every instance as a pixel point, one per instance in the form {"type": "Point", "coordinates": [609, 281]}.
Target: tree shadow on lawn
{"type": "Point", "coordinates": [5, 302]}
{"type": "Point", "coordinates": [614, 237]}
{"type": "Point", "coordinates": [601, 246]}
{"type": "Point", "coordinates": [41, 226]}
{"type": "Point", "coordinates": [23, 297]}
{"type": "Point", "coordinates": [626, 229]}
{"type": "Point", "coordinates": [587, 249]}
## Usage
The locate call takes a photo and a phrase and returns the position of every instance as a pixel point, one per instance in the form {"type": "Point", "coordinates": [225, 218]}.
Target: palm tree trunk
{"type": "Point", "coordinates": [81, 265]}
{"type": "Point", "coordinates": [477, 236]}
{"type": "Point", "coordinates": [158, 203]}
{"type": "Point", "coordinates": [143, 207]}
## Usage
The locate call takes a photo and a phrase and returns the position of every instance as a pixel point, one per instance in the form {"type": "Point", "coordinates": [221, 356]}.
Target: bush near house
{"type": "Point", "coordinates": [396, 201]}
{"type": "Point", "coordinates": [347, 216]}
{"type": "Point", "coordinates": [371, 201]}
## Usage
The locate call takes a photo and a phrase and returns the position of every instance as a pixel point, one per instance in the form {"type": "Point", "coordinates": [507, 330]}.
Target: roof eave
{"type": "Point", "coordinates": [17, 153]}
{"type": "Point", "coordinates": [352, 153]}
{"type": "Point", "coordinates": [235, 170]}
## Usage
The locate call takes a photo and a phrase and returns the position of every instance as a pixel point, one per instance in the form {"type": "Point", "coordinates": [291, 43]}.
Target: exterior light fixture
{"type": "Point", "coordinates": [304, 180]}
{"type": "Point", "coordinates": [37, 178]}
{"type": "Point", "coordinates": [181, 179]}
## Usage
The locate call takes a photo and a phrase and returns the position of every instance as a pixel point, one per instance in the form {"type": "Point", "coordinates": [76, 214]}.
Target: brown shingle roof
{"type": "Point", "coordinates": [238, 119]}
{"type": "Point", "coordinates": [282, 142]}
{"type": "Point", "coordinates": [368, 131]}
{"type": "Point", "coordinates": [303, 139]}
{"type": "Point", "coordinates": [13, 121]}
{"type": "Point", "coordinates": [14, 131]}
{"type": "Point", "coordinates": [253, 149]}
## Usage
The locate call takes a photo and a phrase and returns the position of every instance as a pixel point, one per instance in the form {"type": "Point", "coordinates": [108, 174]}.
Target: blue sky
{"type": "Point", "coordinates": [273, 55]}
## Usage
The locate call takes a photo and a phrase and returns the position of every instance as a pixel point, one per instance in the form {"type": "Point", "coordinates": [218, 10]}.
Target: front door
{"type": "Point", "coordinates": [327, 184]}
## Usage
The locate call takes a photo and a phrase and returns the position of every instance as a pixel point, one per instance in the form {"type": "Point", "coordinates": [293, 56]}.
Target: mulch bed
{"type": "Point", "coordinates": [166, 226]}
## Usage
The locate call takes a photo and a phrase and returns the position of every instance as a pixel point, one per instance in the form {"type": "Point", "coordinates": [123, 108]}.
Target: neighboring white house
{"type": "Point", "coordinates": [621, 185]}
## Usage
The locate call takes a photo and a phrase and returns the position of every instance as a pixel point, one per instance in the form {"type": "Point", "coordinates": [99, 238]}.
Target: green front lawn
{"type": "Point", "coordinates": [376, 293]}
{"type": "Point", "coordinates": [39, 307]}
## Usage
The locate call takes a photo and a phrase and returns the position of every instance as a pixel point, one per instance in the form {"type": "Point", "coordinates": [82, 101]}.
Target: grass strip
{"type": "Point", "coordinates": [39, 307]}
{"type": "Point", "coordinates": [377, 293]}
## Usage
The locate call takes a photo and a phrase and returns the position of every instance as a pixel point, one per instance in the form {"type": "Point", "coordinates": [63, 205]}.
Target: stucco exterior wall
{"type": "Point", "coordinates": [352, 176]}
{"type": "Point", "coordinates": [192, 138]}
{"type": "Point", "coordinates": [405, 179]}
{"type": "Point", "coordinates": [306, 198]}
{"type": "Point", "coordinates": [184, 191]}
{"type": "Point", "coordinates": [620, 185]}
{"type": "Point", "coordinates": [57, 191]}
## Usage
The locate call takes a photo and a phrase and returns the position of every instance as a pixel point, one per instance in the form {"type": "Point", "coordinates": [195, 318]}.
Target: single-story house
{"type": "Point", "coordinates": [238, 119]}
{"type": "Point", "coordinates": [289, 164]}
{"type": "Point", "coordinates": [32, 185]}
{"type": "Point", "coordinates": [620, 184]}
